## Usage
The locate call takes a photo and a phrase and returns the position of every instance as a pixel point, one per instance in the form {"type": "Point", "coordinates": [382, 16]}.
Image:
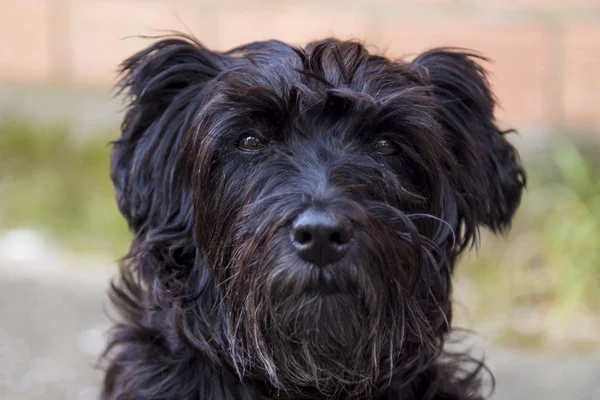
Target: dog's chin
{"type": "Point", "coordinates": [333, 340]}
{"type": "Point", "coordinates": [327, 323]}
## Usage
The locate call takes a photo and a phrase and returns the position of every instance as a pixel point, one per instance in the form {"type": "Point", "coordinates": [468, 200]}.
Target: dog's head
{"type": "Point", "coordinates": [300, 211]}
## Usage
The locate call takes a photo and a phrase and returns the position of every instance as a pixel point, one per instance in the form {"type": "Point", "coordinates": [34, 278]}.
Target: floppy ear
{"type": "Point", "coordinates": [489, 179]}
{"type": "Point", "coordinates": [164, 85]}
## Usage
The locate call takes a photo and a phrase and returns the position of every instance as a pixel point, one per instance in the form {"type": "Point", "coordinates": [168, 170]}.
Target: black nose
{"type": "Point", "coordinates": [320, 237]}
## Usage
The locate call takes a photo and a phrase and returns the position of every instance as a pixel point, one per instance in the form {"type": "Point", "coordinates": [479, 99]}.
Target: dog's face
{"type": "Point", "coordinates": [309, 204]}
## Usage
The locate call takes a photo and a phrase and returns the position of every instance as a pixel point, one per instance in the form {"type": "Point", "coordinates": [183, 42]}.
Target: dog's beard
{"type": "Point", "coordinates": [317, 342]}
{"type": "Point", "coordinates": [322, 331]}
{"type": "Point", "coordinates": [304, 328]}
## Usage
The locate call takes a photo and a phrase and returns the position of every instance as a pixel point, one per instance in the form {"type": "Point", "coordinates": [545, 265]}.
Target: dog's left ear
{"type": "Point", "coordinates": [489, 179]}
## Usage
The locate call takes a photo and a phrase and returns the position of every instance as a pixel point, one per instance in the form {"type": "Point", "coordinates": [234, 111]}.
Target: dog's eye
{"type": "Point", "coordinates": [250, 143]}
{"type": "Point", "coordinates": [384, 147]}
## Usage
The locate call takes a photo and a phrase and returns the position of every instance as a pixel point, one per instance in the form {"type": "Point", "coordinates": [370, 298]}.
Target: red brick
{"type": "Point", "coordinates": [294, 23]}
{"type": "Point", "coordinates": [24, 41]}
{"type": "Point", "coordinates": [521, 53]}
{"type": "Point", "coordinates": [102, 30]}
{"type": "Point", "coordinates": [410, 3]}
{"type": "Point", "coordinates": [541, 5]}
{"type": "Point", "coordinates": [581, 96]}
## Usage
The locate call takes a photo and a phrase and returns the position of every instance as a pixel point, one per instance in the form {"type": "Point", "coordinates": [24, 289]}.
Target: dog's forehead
{"type": "Point", "coordinates": [318, 67]}
{"type": "Point", "coordinates": [274, 82]}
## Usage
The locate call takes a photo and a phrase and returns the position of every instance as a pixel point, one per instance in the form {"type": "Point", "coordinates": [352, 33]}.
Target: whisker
{"type": "Point", "coordinates": [233, 276]}
{"type": "Point", "coordinates": [411, 216]}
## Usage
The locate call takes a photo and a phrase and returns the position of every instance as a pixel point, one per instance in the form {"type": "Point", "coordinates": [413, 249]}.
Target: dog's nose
{"type": "Point", "coordinates": [320, 237]}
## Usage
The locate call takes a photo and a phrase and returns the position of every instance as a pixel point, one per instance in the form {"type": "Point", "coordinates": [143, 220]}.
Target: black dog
{"type": "Point", "coordinates": [297, 216]}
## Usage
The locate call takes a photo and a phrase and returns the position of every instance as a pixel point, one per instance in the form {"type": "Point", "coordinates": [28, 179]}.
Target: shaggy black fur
{"type": "Point", "coordinates": [219, 154]}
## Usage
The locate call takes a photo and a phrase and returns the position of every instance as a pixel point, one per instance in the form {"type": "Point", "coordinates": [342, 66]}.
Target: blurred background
{"type": "Point", "coordinates": [533, 297]}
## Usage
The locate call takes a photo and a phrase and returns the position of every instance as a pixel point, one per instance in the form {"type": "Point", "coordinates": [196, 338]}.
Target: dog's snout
{"type": "Point", "coordinates": [321, 238]}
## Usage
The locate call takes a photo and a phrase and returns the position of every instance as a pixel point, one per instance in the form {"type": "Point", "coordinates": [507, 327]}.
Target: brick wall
{"type": "Point", "coordinates": [546, 53]}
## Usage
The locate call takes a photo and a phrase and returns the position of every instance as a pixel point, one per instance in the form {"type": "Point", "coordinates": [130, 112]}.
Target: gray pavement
{"type": "Point", "coordinates": [52, 326]}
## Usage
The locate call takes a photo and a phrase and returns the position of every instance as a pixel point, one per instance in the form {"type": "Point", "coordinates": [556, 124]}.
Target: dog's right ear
{"type": "Point", "coordinates": [164, 87]}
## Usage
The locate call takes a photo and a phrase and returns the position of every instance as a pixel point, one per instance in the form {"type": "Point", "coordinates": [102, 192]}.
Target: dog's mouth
{"type": "Point", "coordinates": [325, 281]}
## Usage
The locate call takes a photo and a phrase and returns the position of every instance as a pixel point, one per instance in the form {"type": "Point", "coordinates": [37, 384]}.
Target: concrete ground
{"type": "Point", "coordinates": [52, 326]}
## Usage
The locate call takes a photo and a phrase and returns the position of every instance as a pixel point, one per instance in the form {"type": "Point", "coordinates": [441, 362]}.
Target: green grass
{"type": "Point", "coordinates": [548, 267]}
{"type": "Point", "coordinates": [51, 182]}
{"type": "Point", "coordinates": [546, 272]}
